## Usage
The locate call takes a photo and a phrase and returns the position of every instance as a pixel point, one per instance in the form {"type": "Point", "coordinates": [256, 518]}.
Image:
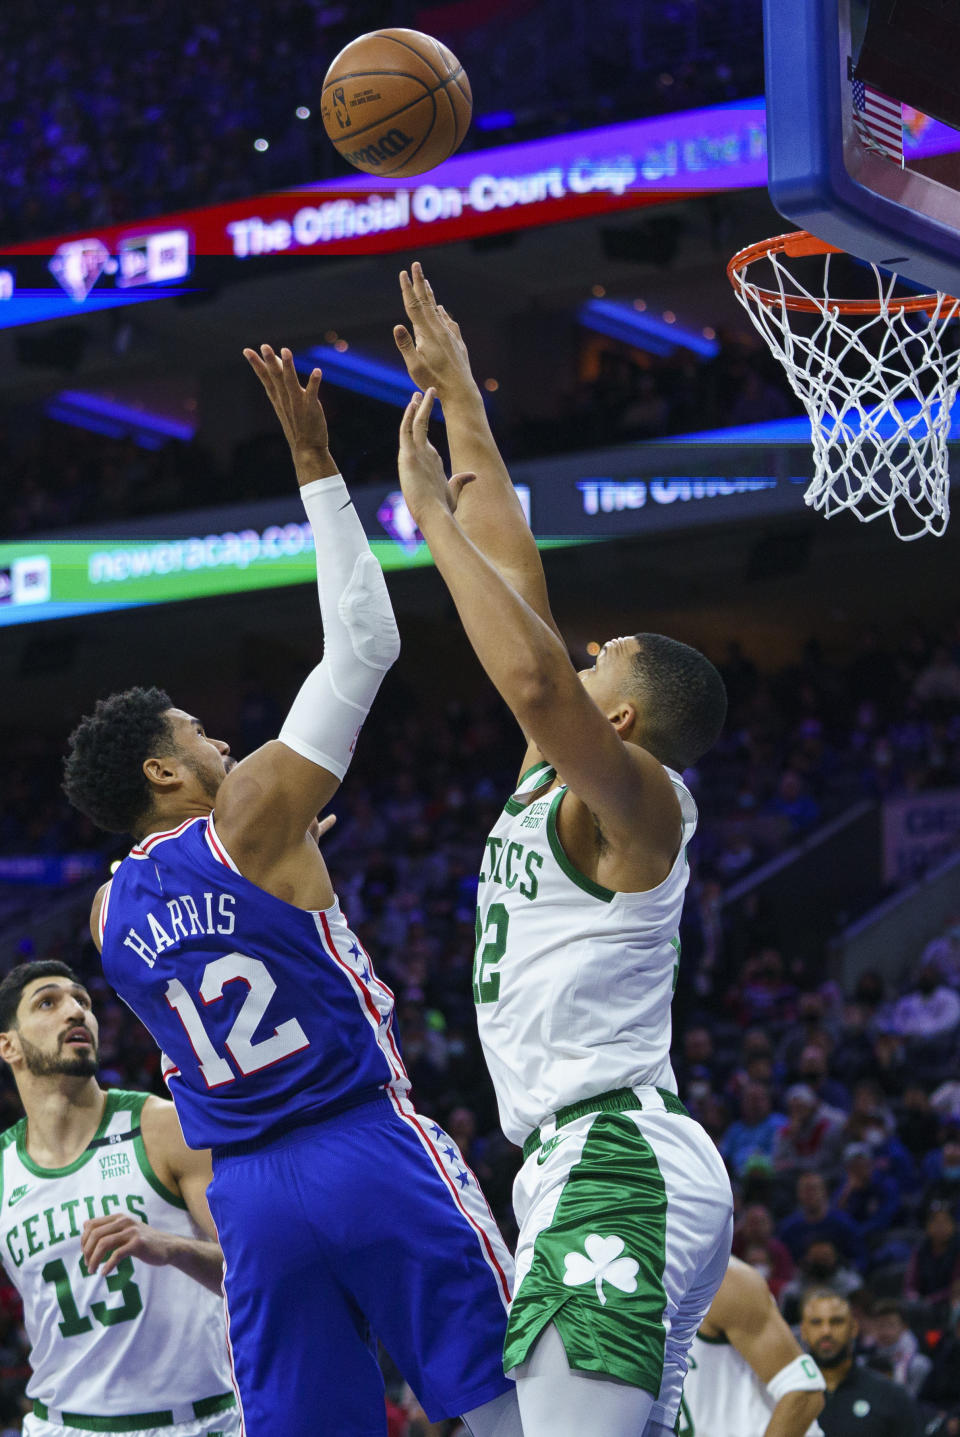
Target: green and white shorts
{"type": "Point", "coordinates": [626, 1218]}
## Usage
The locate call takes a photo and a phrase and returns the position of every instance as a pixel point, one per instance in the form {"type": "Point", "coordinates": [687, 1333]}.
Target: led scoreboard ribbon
{"type": "Point", "coordinates": [486, 192]}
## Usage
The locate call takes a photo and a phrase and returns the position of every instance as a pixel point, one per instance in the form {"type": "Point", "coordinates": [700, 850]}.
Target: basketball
{"type": "Point", "coordinates": [396, 103]}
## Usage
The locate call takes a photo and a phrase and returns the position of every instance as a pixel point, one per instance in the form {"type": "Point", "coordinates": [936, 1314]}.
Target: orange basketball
{"type": "Point", "coordinates": [396, 103]}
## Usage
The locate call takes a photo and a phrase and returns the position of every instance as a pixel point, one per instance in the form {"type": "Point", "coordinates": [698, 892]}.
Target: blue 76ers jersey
{"type": "Point", "coordinates": [268, 1015]}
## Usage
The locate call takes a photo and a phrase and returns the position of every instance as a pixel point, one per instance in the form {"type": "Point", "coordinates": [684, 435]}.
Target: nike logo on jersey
{"type": "Point", "coordinates": [548, 1148]}
{"type": "Point", "coordinates": [18, 1193]}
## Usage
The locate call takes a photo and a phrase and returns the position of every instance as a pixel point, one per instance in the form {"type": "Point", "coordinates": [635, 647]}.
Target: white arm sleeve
{"type": "Point", "coordinates": [360, 636]}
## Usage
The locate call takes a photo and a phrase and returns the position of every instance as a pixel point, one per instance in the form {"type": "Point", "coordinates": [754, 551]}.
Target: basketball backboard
{"type": "Point", "coordinates": [826, 61]}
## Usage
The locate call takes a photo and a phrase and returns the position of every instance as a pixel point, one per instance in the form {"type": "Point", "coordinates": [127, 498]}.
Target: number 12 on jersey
{"type": "Point", "coordinates": [250, 1057]}
{"type": "Point", "coordinates": [486, 978]}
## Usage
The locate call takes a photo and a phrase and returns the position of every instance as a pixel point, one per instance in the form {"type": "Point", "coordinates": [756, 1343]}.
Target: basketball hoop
{"type": "Point", "coordinates": [875, 377]}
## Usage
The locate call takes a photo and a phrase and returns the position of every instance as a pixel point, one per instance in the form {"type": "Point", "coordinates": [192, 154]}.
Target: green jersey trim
{"type": "Point", "coordinates": [720, 1341]}
{"type": "Point", "coordinates": [146, 1167]}
{"type": "Point", "coordinates": [535, 768]}
{"type": "Point", "coordinates": [513, 806]}
{"type": "Point", "coordinates": [618, 1100]}
{"type": "Point", "coordinates": [596, 890]}
{"type": "Point", "coordinates": [136, 1421]}
{"type": "Point", "coordinates": [10, 1136]}
{"type": "Point", "coordinates": [20, 1130]}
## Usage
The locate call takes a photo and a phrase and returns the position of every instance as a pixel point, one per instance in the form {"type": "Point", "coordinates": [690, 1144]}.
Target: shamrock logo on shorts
{"type": "Point", "coordinates": [602, 1263]}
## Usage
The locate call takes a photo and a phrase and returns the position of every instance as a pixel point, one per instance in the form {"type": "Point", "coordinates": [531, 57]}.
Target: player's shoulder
{"type": "Point", "coordinates": [10, 1135]}
{"type": "Point", "coordinates": [742, 1297]}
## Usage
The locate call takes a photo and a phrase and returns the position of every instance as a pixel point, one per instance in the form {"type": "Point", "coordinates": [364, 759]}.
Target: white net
{"type": "Point", "coordinates": [877, 378]}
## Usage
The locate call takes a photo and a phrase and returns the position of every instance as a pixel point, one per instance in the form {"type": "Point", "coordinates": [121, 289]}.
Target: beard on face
{"type": "Point", "coordinates": [833, 1359]}
{"type": "Point", "coordinates": [209, 779]}
{"type": "Point", "coordinates": [79, 1063]}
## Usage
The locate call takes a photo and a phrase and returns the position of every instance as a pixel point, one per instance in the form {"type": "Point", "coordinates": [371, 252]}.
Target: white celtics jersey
{"type": "Point", "coordinates": [140, 1340]}
{"type": "Point", "coordinates": [723, 1396]}
{"type": "Point", "coordinates": [573, 982]}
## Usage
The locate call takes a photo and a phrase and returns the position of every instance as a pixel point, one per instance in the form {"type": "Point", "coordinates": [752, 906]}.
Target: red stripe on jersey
{"type": "Point", "coordinates": [217, 847]}
{"type": "Point", "coordinates": [413, 1120]}
{"type": "Point", "coordinates": [143, 849]}
{"type": "Point", "coordinates": [394, 1062]}
{"type": "Point", "coordinates": [389, 1025]}
{"type": "Point", "coordinates": [102, 921]}
{"type": "Point", "coordinates": [233, 1370]}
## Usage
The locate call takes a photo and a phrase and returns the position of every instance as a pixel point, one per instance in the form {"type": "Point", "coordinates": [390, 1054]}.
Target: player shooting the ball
{"type": "Point", "coordinates": [623, 1202]}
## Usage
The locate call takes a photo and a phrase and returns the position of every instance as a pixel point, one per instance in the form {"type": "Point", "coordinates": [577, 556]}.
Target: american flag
{"type": "Point", "coordinates": [878, 121]}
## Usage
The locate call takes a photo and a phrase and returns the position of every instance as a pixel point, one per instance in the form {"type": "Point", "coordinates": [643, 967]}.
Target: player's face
{"type": "Point", "coordinates": [56, 1029]}
{"type": "Point", "coordinates": [611, 678]}
{"type": "Point", "coordinates": [206, 758]}
{"type": "Point", "coordinates": [828, 1329]}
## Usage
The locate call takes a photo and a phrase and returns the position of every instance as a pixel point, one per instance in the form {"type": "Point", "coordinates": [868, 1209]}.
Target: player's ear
{"type": "Point", "coordinates": [9, 1045]}
{"type": "Point", "coordinates": [623, 717]}
{"type": "Point", "coordinates": [162, 772]}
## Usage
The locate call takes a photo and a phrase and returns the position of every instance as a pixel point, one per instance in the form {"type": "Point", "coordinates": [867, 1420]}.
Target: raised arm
{"type": "Point", "coordinates": [266, 803]}
{"type": "Point", "coordinates": [626, 788]}
{"type": "Point", "coordinates": [489, 512]}
{"type": "Point", "coordinates": [745, 1313]}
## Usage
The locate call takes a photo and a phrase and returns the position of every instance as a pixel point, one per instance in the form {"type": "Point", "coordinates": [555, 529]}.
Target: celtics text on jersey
{"type": "Point", "coordinates": [573, 982]}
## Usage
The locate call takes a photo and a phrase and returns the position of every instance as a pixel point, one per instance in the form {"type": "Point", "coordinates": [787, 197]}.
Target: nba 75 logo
{"type": "Point", "coordinates": [26, 581]}
{"type": "Point", "coordinates": [340, 109]}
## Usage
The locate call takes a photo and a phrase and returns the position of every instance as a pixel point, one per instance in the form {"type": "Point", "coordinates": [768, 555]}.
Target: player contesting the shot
{"type": "Point", "coordinates": [340, 1211]}
{"type": "Point", "coordinates": [623, 1203]}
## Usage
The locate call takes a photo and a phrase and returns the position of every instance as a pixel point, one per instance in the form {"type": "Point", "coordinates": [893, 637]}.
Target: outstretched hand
{"type": "Point", "coordinates": [422, 476]}
{"type": "Point", "coordinates": [297, 407]}
{"type": "Point", "coordinates": [435, 353]}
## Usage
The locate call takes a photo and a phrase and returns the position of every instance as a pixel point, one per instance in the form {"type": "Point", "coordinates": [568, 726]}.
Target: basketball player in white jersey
{"type": "Point", "coordinates": [623, 1203]}
{"type": "Point", "coordinates": [748, 1376]}
{"type": "Point", "coordinates": [106, 1235]}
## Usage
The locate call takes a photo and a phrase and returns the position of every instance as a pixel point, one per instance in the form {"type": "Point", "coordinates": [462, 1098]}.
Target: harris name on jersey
{"type": "Point", "coordinates": [180, 918]}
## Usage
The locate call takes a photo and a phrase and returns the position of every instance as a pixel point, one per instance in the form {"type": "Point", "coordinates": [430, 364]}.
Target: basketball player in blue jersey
{"type": "Point", "coordinates": [342, 1214]}
{"type": "Point", "coordinates": [623, 1204]}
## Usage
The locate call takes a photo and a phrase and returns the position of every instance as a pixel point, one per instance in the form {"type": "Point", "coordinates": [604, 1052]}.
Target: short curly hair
{"type": "Point", "coordinates": [103, 771]}
{"type": "Point", "coordinates": [684, 699]}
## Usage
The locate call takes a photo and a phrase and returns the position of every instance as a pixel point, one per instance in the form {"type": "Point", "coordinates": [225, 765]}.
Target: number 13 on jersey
{"type": "Point", "coordinates": [491, 947]}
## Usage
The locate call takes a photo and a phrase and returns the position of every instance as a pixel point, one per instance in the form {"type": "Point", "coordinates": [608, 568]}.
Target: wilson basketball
{"type": "Point", "coordinates": [396, 103]}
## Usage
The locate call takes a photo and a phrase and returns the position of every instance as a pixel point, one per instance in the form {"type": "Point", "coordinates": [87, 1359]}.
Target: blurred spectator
{"type": "Point", "coordinates": [821, 1267]}
{"type": "Point", "coordinates": [917, 1125]}
{"type": "Point", "coordinates": [868, 1197]}
{"type": "Point", "coordinates": [792, 802]}
{"type": "Point", "coordinates": [890, 1067]}
{"type": "Point", "coordinates": [941, 1390]}
{"type": "Point", "coordinates": [811, 1138]}
{"type": "Point", "coordinates": [934, 1268]}
{"type": "Point", "coordinates": [755, 1130]}
{"type": "Point", "coordinates": [755, 1243]}
{"type": "Point", "coordinates": [891, 1338]}
{"type": "Point", "coordinates": [941, 1170]}
{"type": "Point", "coordinates": [815, 1220]}
{"type": "Point", "coordinates": [833, 1098]}
{"type": "Point", "coordinates": [929, 1011]}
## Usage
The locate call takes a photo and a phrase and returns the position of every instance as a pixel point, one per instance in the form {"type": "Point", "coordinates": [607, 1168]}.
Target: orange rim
{"type": "Point", "coordinates": [801, 242]}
